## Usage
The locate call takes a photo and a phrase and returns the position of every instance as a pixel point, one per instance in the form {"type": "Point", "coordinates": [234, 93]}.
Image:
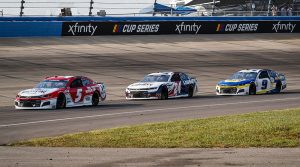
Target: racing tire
{"type": "Point", "coordinates": [191, 91]}
{"type": "Point", "coordinates": [278, 87]}
{"type": "Point", "coordinates": [252, 89]}
{"type": "Point", "coordinates": [164, 94]}
{"type": "Point", "coordinates": [61, 102]}
{"type": "Point", "coordinates": [95, 99]}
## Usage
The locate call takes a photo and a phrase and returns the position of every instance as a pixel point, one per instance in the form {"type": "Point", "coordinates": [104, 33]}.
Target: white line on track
{"type": "Point", "coordinates": [144, 111]}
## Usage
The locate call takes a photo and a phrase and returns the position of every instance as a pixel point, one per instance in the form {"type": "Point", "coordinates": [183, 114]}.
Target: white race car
{"type": "Point", "coordinates": [251, 82]}
{"type": "Point", "coordinates": [163, 85]}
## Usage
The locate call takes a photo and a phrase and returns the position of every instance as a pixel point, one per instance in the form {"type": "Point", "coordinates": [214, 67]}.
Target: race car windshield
{"type": "Point", "coordinates": [244, 75]}
{"type": "Point", "coordinates": [156, 78]}
{"type": "Point", "coordinates": [48, 84]}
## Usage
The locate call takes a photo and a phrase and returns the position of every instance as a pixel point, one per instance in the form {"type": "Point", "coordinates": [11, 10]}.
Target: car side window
{"type": "Point", "coordinates": [184, 77]}
{"type": "Point", "coordinates": [273, 74]}
{"type": "Point", "coordinates": [76, 83]}
{"type": "Point", "coordinates": [86, 82]}
{"type": "Point", "coordinates": [263, 74]}
{"type": "Point", "coordinates": [175, 78]}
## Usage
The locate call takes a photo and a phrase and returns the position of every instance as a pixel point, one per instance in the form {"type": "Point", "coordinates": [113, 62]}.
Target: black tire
{"type": "Point", "coordinates": [191, 91]}
{"type": "Point", "coordinates": [61, 102]}
{"type": "Point", "coordinates": [278, 87]}
{"type": "Point", "coordinates": [164, 94]}
{"type": "Point", "coordinates": [252, 89]}
{"type": "Point", "coordinates": [95, 99]}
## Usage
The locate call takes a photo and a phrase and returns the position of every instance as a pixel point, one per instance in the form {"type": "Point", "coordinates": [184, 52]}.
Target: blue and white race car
{"type": "Point", "coordinates": [163, 85]}
{"type": "Point", "coordinates": [251, 82]}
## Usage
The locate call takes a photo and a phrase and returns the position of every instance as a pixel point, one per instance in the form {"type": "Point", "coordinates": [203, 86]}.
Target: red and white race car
{"type": "Point", "coordinates": [60, 92]}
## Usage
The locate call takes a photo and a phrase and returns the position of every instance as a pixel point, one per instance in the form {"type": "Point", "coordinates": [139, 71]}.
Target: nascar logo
{"type": "Point", "coordinates": [220, 27]}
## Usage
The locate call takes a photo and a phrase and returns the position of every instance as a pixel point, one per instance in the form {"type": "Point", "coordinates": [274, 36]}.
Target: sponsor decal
{"type": "Point", "coordinates": [89, 90]}
{"type": "Point", "coordinates": [237, 27]}
{"type": "Point", "coordinates": [279, 27]}
{"type": "Point", "coordinates": [77, 28]}
{"type": "Point", "coordinates": [181, 28]}
{"type": "Point", "coordinates": [36, 91]}
{"type": "Point", "coordinates": [88, 98]}
{"type": "Point", "coordinates": [68, 99]}
{"type": "Point", "coordinates": [136, 28]}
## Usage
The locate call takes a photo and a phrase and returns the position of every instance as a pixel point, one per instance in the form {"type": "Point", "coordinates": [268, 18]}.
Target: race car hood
{"type": "Point", "coordinates": [235, 82]}
{"type": "Point", "coordinates": [37, 92]}
{"type": "Point", "coordinates": [144, 85]}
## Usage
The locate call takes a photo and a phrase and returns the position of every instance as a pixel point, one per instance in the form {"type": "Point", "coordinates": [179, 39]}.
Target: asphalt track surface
{"type": "Point", "coordinates": [120, 60]}
{"type": "Point", "coordinates": [106, 157]}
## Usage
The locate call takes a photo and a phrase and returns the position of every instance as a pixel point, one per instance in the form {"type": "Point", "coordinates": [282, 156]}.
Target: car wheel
{"type": "Point", "coordinates": [191, 91]}
{"type": "Point", "coordinates": [61, 101]}
{"type": "Point", "coordinates": [252, 89]}
{"type": "Point", "coordinates": [95, 99]}
{"type": "Point", "coordinates": [278, 87]}
{"type": "Point", "coordinates": [164, 94]}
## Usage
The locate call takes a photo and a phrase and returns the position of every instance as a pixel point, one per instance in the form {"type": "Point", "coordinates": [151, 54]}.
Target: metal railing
{"type": "Point", "coordinates": [88, 7]}
{"type": "Point", "coordinates": [254, 13]}
{"type": "Point", "coordinates": [94, 7]}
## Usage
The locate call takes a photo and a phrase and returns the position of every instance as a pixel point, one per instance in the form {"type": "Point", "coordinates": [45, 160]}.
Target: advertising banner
{"type": "Point", "coordinates": [177, 27]}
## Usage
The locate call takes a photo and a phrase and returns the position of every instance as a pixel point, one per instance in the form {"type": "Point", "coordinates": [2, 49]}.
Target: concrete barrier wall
{"type": "Point", "coordinates": [90, 26]}
{"type": "Point", "coordinates": [30, 29]}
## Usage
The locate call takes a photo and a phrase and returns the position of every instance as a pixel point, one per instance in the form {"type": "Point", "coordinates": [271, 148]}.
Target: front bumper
{"type": "Point", "coordinates": [142, 95]}
{"type": "Point", "coordinates": [232, 90]}
{"type": "Point", "coordinates": [32, 104]}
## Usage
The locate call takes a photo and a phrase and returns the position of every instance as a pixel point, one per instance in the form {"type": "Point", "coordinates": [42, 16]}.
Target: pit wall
{"type": "Point", "coordinates": [96, 26]}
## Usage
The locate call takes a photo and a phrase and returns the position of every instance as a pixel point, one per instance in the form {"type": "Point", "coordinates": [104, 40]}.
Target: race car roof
{"type": "Point", "coordinates": [162, 73]}
{"type": "Point", "coordinates": [60, 78]}
{"type": "Point", "coordinates": [251, 70]}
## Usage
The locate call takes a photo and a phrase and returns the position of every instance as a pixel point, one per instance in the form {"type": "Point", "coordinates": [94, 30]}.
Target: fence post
{"type": "Point", "coordinates": [22, 7]}
{"type": "Point", "coordinates": [91, 7]}
{"type": "Point", "coordinates": [269, 7]}
{"type": "Point", "coordinates": [213, 7]}
{"type": "Point", "coordinates": [153, 14]}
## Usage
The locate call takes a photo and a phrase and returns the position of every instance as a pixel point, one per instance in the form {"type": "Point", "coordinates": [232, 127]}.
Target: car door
{"type": "Point", "coordinates": [176, 80]}
{"type": "Point", "coordinates": [77, 91]}
{"type": "Point", "coordinates": [263, 82]}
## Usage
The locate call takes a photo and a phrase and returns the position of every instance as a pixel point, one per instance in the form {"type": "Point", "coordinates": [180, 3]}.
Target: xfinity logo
{"type": "Point", "coordinates": [284, 27]}
{"type": "Point", "coordinates": [180, 28]}
{"type": "Point", "coordinates": [75, 29]}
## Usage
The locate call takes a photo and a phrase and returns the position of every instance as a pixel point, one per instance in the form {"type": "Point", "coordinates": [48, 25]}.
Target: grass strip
{"type": "Point", "coordinates": [280, 128]}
